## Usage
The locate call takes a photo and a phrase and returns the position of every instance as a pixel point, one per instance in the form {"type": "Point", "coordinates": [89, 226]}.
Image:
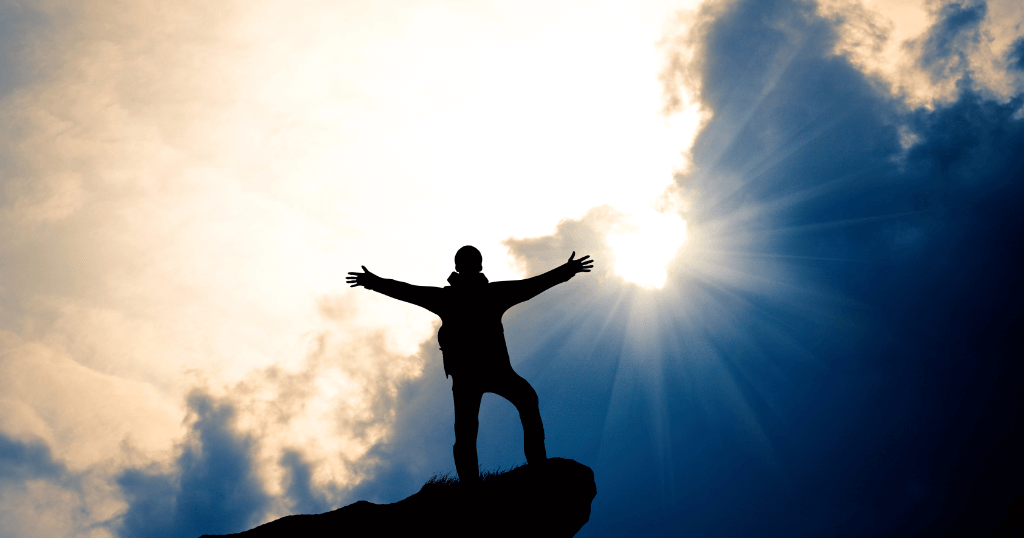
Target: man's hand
{"type": "Point", "coordinates": [365, 279]}
{"type": "Point", "coordinates": [582, 265]}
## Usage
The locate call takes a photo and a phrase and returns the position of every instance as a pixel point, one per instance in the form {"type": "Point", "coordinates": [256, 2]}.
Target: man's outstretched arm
{"type": "Point", "coordinates": [425, 296]}
{"type": "Point", "coordinates": [517, 291]}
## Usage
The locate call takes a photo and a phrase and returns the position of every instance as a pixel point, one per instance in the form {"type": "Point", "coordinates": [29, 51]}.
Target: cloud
{"type": "Point", "coordinates": [50, 396]}
{"type": "Point", "coordinates": [420, 439]}
{"type": "Point", "coordinates": [21, 461]}
{"type": "Point", "coordinates": [1016, 55]}
{"type": "Point", "coordinates": [299, 490]}
{"type": "Point", "coordinates": [585, 236]}
{"type": "Point", "coordinates": [40, 496]}
{"type": "Point", "coordinates": [211, 488]}
{"type": "Point", "coordinates": [957, 31]}
{"type": "Point", "coordinates": [280, 441]}
{"type": "Point", "coordinates": [928, 53]}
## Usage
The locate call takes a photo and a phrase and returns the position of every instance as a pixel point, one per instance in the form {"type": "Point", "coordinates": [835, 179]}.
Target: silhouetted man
{"type": "Point", "coordinates": [472, 342]}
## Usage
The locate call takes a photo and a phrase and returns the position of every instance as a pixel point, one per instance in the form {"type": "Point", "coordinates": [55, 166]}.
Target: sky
{"type": "Point", "coordinates": [804, 314]}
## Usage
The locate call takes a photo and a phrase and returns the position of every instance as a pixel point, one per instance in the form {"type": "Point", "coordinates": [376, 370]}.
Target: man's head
{"type": "Point", "coordinates": [468, 260]}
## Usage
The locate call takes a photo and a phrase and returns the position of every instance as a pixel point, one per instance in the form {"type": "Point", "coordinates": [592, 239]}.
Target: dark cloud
{"type": "Point", "coordinates": [1016, 55]}
{"type": "Point", "coordinates": [859, 373]}
{"type": "Point", "coordinates": [17, 21]}
{"type": "Point", "coordinates": [211, 487]}
{"type": "Point", "coordinates": [944, 51]}
{"type": "Point", "coordinates": [21, 461]}
{"type": "Point", "coordinates": [304, 497]}
{"type": "Point", "coordinates": [42, 496]}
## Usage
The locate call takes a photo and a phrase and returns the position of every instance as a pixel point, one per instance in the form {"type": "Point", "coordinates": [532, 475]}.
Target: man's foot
{"type": "Point", "coordinates": [536, 455]}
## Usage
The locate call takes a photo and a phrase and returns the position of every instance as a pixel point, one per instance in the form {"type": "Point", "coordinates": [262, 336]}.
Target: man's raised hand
{"type": "Point", "coordinates": [365, 279]}
{"type": "Point", "coordinates": [582, 265]}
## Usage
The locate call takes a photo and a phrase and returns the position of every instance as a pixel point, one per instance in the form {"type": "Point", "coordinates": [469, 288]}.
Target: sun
{"type": "Point", "coordinates": [642, 255]}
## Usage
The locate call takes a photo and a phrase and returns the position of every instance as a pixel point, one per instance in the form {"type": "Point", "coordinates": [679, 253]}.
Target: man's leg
{"type": "Point", "coordinates": [467, 408]}
{"type": "Point", "coordinates": [518, 391]}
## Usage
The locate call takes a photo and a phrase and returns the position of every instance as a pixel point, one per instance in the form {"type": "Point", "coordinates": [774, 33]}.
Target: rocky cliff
{"type": "Point", "coordinates": [550, 500]}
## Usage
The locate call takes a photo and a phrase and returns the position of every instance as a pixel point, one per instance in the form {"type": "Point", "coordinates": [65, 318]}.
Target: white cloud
{"type": "Point", "coordinates": [895, 40]}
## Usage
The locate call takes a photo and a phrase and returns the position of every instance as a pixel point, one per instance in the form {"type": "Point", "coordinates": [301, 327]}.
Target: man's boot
{"type": "Point", "coordinates": [534, 448]}
{"type": "Point", "coordinates": [466, 464]}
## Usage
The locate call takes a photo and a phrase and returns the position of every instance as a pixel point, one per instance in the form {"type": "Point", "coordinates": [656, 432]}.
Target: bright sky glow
{"type": "Point", "coordinates": [642, 255]}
